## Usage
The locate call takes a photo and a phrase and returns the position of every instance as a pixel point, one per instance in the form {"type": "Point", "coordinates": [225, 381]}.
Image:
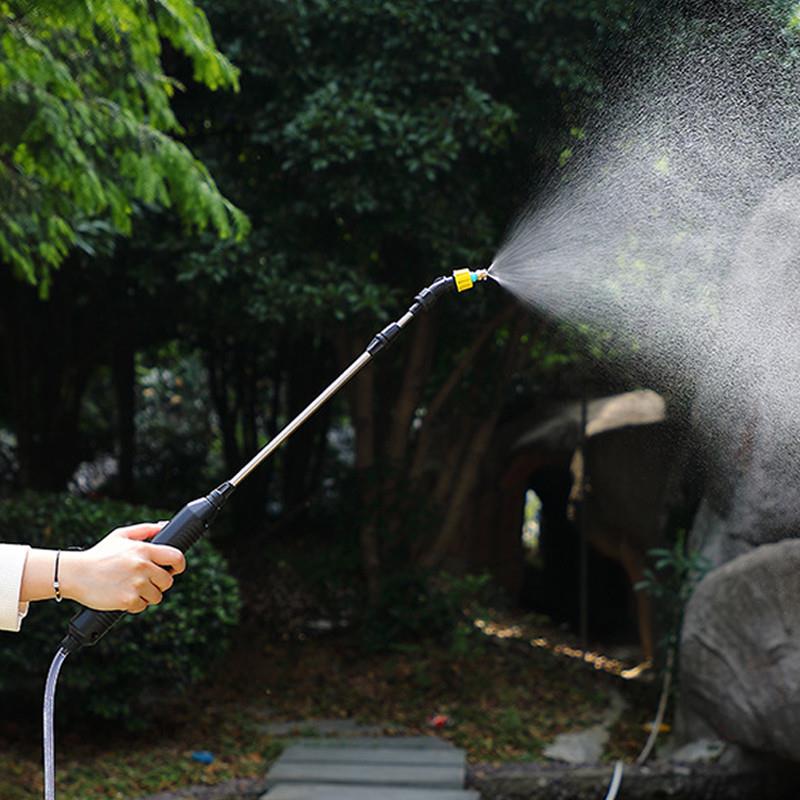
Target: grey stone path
{"type": "Point", "coordinates": [365, 768]}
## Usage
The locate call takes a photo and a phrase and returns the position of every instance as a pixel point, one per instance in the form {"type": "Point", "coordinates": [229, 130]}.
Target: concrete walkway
{"type": "Point", "coordinates": [369, 768]}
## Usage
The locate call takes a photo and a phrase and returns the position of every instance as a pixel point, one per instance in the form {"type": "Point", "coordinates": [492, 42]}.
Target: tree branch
{"type": "Point", "coordinates": [441, 397]}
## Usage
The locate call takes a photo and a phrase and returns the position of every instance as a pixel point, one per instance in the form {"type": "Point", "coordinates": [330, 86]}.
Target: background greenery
{"type": "Point", "coordinates": [191, 250]}
{"type": "Point", "coordinates": [372, 146]}
{"type": "Point", "coordinates": [206, 211]}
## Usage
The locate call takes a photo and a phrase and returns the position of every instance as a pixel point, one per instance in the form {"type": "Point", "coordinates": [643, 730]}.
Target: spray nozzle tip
{"type": "Point", "coordinates": [467, 278]}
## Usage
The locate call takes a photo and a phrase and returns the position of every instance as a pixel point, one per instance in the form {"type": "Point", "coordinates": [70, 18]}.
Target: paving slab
{"type": "Point", "coordinates": [320, 727]}
{"type": "Point", "coordinates": [421, 776]}
{"type": "Point", "coordinates": [318, 791]}
{"type": "Point", "coordinates": [411, 742]}
{"type": "Point", "coordinates": [432, 756]}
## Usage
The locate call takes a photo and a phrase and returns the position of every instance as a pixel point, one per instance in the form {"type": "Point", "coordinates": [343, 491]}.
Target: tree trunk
{"type": "Point", "coordinates": [305, 451]}
{"type": "Point", "coordinates": [361, 394]}
{"type": "Point", "coordinates": [414, 379]}
{"type": "Point", "coordinates": [468, 472]}
{"type": "Point", "coordinates": [233, 386]}
{"type": "Point", "coordinates": [457, 480]}
{"type": "Point", "coordinates": [47, 364]}
{"type": "Point", "coordinates": [444, 393]}
{"type": "Point", "coordinates": [123, 370]}
{"type": "Point", "coordinates": [365, 463]}
{"type": "Point", "coordinates": [218, 387]}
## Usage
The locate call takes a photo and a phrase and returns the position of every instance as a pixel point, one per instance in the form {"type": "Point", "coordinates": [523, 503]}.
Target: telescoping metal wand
{"type": "Point", "coordinates": [187, 526]}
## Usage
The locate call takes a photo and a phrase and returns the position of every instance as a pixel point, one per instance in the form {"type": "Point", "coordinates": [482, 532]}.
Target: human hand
{"type": "Point", "coordinates": [122, 572]}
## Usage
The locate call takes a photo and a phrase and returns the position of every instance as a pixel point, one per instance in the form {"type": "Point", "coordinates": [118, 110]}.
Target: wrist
{"type": "Point", "coordinates": [38, 575]}
{"type": "Point", "coordinates": [70, 568]}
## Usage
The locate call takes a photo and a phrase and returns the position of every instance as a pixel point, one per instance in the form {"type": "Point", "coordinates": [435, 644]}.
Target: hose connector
{"type": "Point", "coordinates": [461, 280]}
{"type": "Point", "coordinates": [430, 294]}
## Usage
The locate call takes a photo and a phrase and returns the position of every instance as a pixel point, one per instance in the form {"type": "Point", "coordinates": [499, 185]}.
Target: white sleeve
{"type": "Point", "coordinates": [12, 565]}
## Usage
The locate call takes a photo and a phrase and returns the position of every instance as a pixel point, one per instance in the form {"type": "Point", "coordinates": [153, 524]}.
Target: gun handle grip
{"type": "Point", "coordinates": [87, 627]}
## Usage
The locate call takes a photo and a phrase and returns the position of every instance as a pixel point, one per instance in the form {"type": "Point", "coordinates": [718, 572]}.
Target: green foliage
{"type": "Point", "coordinates": [165, 649]}
{"type": "Point", "coordinates": [87, 130]}
{"type": "Point", "coordinates": [374, 145]}
{"type": "Point", "coordinates": [415, 607]}
{"type": "Point", "coordinates": [378, 143]}
{"type": "Point", "coordinates": [671, 581]}
{"type": "Point", "coordinates": [175, 448]}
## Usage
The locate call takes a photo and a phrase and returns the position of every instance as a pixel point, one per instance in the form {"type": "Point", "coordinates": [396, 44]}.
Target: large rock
{"type": "Point", "coordinates": [746, 402]}
{"type": "Point", "coordinates": [738, 673]}
{"type": "Point", "coordinates": [740, 651]}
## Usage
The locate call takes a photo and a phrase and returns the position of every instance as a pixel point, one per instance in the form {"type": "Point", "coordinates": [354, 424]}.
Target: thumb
{"type": "Point", "coordinates": [140, 532]}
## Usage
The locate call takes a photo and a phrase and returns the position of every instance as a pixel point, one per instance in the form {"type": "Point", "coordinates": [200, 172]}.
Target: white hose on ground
{"type": "Point", "coordinates": [616, 781]}
{"type": "Point", "coordinates": [662, 708]}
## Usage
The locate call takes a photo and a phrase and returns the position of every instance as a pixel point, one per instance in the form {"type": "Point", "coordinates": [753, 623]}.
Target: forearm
{"type": "Point", "coordinates": [38, 576]}
{"type": "Point", "coordinates": [38, 579]}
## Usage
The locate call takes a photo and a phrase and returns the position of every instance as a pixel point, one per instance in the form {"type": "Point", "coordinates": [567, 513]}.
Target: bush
{"type": "Point", "coordinates": [166, 648]}
{"type": "Point", "coordinates": [670, 582]}
{"type": "Point", "coordinates": [175, 445]}
{"type": "Point", "coordinates": [8, 460]}
{"type": "Point", "coordinates": [415, 606]}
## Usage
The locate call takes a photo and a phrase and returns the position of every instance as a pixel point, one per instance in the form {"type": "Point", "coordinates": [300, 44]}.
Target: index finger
{"type": "Point", "coordinates": [167, 557]}
{"type": "Point", "coordinates": [141, 531]}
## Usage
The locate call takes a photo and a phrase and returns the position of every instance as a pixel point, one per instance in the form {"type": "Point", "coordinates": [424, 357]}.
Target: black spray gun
{"type": "Point", "coordinates": [187, 526]}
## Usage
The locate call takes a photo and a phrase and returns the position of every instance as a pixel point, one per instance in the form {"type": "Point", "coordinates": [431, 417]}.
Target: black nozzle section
{"type": "Point", "coordinates": [87, 627]}
{"type": "Point", "coordinates": [422, 302]}
{"type": "Point", "coordinates": [384, 338]}
{"type": "Point", "coordinates": [219, 496]}
{"type": "Point", "coordinates": [428, 296]}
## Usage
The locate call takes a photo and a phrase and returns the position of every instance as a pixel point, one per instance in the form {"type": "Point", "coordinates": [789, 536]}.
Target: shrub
{"type": "Point", "coordinates": [166, 648]}
{"type": "Point", "coordinates": [175, 446]}
{"type": "Point", "coordinates": [416, 606]}
{"type": "Point", "coordinates": [671, 580]}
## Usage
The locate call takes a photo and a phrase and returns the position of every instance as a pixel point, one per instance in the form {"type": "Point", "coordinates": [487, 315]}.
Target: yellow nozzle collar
{"type": "Point", "coordinates": [463, 279]}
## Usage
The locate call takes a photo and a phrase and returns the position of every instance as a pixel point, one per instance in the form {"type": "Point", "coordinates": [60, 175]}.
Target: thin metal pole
{"type": "Point", "coordinates": [584, 534]}
{"type": "Point", "coordinates": [323, 397]}
{"type": "Point", "coordinates": [281, 437]}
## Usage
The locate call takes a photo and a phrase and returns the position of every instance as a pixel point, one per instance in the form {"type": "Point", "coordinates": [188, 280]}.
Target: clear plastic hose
{"type": "Point", "coordinates": [616, 781]}
{"type": "Point", "coordinates": [49, 736]}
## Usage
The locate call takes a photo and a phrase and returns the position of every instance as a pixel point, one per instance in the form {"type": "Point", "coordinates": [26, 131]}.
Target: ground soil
{"type": "Point", "coordinates": [502, 693]}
